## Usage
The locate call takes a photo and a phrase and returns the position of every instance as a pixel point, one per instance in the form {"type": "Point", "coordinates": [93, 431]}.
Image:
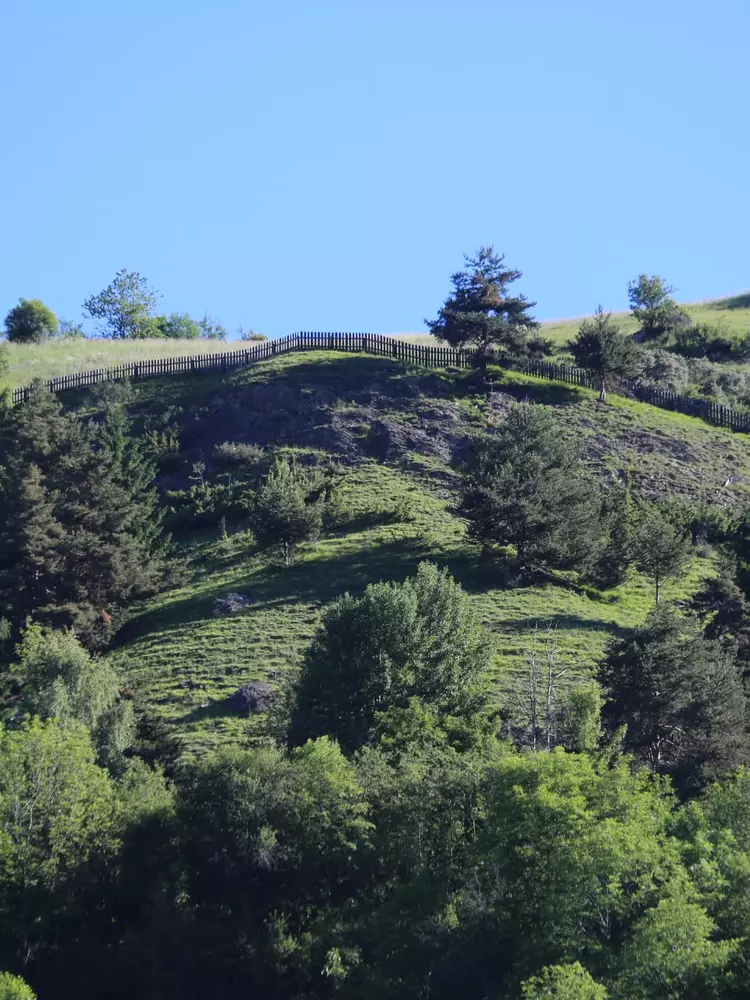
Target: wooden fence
{"type": "Point", "coordinates": [378, 344]}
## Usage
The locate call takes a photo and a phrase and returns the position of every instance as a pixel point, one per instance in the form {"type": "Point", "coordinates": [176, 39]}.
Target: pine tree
{"type": "Point", "coordinates": [660, 550]}
{"type": "Point", "coordinates": [284, 514]}
{"type": "Point", "coordinates": [605, 351]}
{"type": "Point", "coordinates": [525, 488]}
{"type": "Point", "coordinates": [480, 312]}
{"type": "Point", "coordinates": [680, 697]}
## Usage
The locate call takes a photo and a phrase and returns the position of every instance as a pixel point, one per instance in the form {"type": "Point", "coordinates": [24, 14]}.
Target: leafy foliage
{"type": "Point", "coordinates": [31, 322]}
{"type": "Point", "coordinates": [419, 639]}
{"type": "Point", "coordinates": [563, 982]}
{"type": "Point", "coordinates": [126, 307]}
{"type": "Point", "coordinates": [651, 305]}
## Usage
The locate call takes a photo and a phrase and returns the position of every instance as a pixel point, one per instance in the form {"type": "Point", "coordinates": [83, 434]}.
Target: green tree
{"type": "Point", "coordinates": [64, 682]}
{"type": "Point", "coordinates": [179, 326]}
{"type": "Point", "coordinates": [58, 815]}
{"type": "Point", "coordinates": [284, 513]}
{"type": "Point", "coordinates": [14, 988]}
{"type": "Point", "coordinates": [525, 488]}
{"type": "Point", "coordinates": [563, 982]}
{"type": "Point", "coordinates": [573, 849]}
{"type": "Point", "coordinates": [680, 697]}
{"type": "Point", "coordinates": [671, 954]}
{"type": "Point", "coordinates": [79, 525]}
{"type": "Point", "coordinates": [651, 305]}
{"type": "Point", "coordinates": [271, 842]}
{"type": "Point", "coordinates": [603, 349]}
{"type": "Point", "coordinates": [4, 373]}
{"type": "Point", "coordinates": [125, 307]}
{"type": "Point", "coordinates": [481, 314]}
{"type": "Point", "coordinates": [417, 639]}
{"type": "Point", "coordinates": [660, 550]}
{"type": "Point", "coordinates": [211, 329]}
{"type": "Point", "coordinates": [31, 322]}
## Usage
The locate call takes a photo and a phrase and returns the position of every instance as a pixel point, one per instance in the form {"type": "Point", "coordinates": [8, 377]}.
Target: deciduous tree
{"type": "Point", "coordinates": [126, 307]}
{"type": "Point", "coordinates": [418, 639]}
{"type": "Point", "coordinates": [651, 305]}
{"type": "Point", "coordinates": [31, 322]}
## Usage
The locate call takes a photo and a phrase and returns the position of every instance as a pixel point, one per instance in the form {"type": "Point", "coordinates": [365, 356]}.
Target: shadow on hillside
{"type": "Point", "coordinates": [562, 622]}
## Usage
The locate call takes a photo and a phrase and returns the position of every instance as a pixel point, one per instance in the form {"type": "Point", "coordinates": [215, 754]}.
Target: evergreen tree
{"type": "Point", "coordinates": [525, 488]}
{"type": "Point", "coordinates": [681, 699]}
{"type": "Point", "coordinates": [79, 526]}
{"type": "Point", "coordinates": [605, 351]}
{"type": "Point", "coordinates": [284, 513]}
{"type": "Point", "coordinates": [660, 550]}
{"type": "Point", "coordinates": [481, 314]}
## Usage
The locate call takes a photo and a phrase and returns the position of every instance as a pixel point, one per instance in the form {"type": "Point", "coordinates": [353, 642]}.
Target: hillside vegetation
{"type": "Point", "coordinates": [337, 677]}
{"type": "Point", "coordinates": [394, 434]}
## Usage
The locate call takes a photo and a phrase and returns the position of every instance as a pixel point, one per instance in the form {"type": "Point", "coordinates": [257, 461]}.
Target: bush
{"type": "Point", "coordinates": [420, 639]}
{"type": "Point", "coordinates": [31, 322]}
{"type": "Point", "coordinates": [234, 454]}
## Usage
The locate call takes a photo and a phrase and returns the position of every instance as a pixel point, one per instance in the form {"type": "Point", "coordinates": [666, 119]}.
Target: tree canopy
{"type": "Point", "coordinates": [126, 307]}
{"type": "Point", "coordinates": [31, 322]}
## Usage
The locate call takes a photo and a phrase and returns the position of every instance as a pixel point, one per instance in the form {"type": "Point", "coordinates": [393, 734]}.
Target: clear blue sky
{"type": "Point", "coordinates": [298, 165]}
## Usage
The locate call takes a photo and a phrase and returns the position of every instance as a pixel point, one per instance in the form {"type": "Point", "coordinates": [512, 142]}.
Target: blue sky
{"type": "Point", "coordinates": [298, 165]}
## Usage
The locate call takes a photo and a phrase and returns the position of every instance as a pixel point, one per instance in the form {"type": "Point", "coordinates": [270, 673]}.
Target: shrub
{"type": "Point", "coordinates": [233, 454]}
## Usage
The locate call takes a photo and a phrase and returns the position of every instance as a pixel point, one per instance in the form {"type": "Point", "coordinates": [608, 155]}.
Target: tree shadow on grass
{"type": "Point", "coordinates": [563, 622]}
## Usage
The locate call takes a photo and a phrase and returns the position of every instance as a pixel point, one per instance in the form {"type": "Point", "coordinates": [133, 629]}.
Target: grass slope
{"type": "Point", "coordinates": [183, 662]}
{"type": "Point", "coordinates": [65, 357]}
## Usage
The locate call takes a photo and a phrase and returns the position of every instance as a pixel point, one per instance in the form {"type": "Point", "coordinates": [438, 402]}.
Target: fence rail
{"type": "Point", "coordinates": [378, 344]}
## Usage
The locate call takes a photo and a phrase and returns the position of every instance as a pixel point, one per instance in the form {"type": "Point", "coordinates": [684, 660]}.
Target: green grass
{"type": "Point", "coordinates": [64, 357]}
{"type": "Point", "coordinates": [183, 662]}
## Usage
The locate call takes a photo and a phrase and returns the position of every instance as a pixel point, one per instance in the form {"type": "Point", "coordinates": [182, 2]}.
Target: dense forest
{"type": "Point", "coordinates": [396, 817]}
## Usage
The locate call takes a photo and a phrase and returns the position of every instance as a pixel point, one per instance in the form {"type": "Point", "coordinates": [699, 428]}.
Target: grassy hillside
{"type": "Point", "coordinates": [394, 434]}
{"type": "Point", "coordinates": [64, 357]}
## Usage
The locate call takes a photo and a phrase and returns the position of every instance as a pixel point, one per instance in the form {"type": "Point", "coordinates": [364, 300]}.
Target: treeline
{"type": "Point", "coordinates": [125, 309]}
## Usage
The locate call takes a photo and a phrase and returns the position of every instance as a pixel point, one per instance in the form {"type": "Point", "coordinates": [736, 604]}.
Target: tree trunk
{"type": "Point", "coordinates": [603, 392]}
{"type": "Point", "coordinates": [657, 580]}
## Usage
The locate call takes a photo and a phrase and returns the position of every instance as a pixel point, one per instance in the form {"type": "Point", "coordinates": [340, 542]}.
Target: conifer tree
{"type": "Point", "coordinates": [481, 313]}
{"type": "Point", "coordinates": [525, 488]}
{"type": "Point", "coordinates": [680, 697]}
{"type": "Point", "coordinates": [284, 514]}
{"type": "Point", "coordinates": [660, 549]}
{"type": "Point", "coordinates": [605, 351]}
